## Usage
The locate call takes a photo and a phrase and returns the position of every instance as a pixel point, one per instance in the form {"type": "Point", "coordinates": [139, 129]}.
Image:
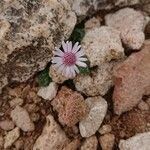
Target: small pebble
{"type": "Point", "coordinates": [11, 137]}
{"type": "Point", "coordinates": [16, 101]}
{"type": "Point", "coordinates": [143, 106]}
{"type": "Point", "coordinates": [105, 129]}
{"type": "Point", "coordinates": [22, 119]}
{"type": "Point", "coordinates": [107, 141]}
{"type": "Point", "coordinates": [1, 141]}
{"type": "Point", "coordinates": [7, 125]}
{"type": "Point", "coordinates": [49, 92]}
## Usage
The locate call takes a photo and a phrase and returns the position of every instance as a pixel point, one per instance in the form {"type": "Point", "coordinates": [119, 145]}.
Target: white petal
{"type": "Point", "coordinates": [67, 71]}
{"type": "Point", "coordinates": [82, 64]}
{"type": "Point", "coordinates": [58, 52]}
{"type": "Point", "coordinates": [64, 45]}
{"type": "Point", "coordinates": [76, 69]}
{"type": "Point", "coordinates": [81, 59]}
{"type": "Point", "coordinates": [80, 53]}
{"type": "Point", "coordinates": [57, 65]}
{"type": "Point", "coordinates": [57, 60]}
{"type": "Point", "coordinates": [73, 74]}
{"type": "Point", "coordinates": [61, 68]}
{"type": "Point", "coordinates": [76, 47]}
{"type": "Point", "coordinates": [70, 46]}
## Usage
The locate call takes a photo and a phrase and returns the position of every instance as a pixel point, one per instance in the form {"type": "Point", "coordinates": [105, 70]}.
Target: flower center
{"type": "Point", "coordinates": [69, 58]}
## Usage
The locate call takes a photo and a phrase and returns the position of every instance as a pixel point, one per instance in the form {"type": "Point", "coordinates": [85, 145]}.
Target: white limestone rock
{"type": "Point", "coordinates": [138, 142]}
{"type": "Point", "coordinates": [98, 82]}
{"type": "Point", "coordinates": [102, 44]}
{"type": "Point", "coordinates": [131, 24]}
{"type": "Point", "coordinates": [11, 137]}
{"type": "Point", "coordinates": [49, 92]}
{"type": "Point", "coordinates": [52, 137]}
{"type": "Point", "coordinates": [22, 119]}
{"type": "Point", "coordinates": [91, 123]}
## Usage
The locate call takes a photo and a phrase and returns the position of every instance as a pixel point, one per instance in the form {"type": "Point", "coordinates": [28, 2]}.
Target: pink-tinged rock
{"type": "Point", "coordinates": [132, 79]}
{"type": "Point", "coordinates": [70, 106]}
{"type": "Point", "coordinates": [131, 24]}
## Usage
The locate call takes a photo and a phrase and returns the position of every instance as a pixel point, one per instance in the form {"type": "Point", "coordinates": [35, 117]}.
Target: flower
{"type": "Point", "coordinates": [68, 60]}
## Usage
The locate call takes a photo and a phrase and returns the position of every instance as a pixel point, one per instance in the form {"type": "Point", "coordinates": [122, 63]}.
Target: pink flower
{"type": "Point", "coordinates": [68, 60]}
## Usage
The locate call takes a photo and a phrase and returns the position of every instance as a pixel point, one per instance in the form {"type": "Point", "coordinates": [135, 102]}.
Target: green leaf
{"type": "Point", "coordinates": [84, 70]}
{"type": "Point", "coordinates": [43, 77]}
{"type": "Point", "coordinates": [78, 33]}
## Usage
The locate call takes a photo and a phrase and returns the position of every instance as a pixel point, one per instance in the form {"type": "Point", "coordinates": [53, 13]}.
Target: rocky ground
{"type": "Point", "coordinates": [106, 106]}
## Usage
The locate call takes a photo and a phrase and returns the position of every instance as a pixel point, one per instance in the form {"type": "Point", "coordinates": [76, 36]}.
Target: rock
{"type": "Point", "coordinates": [139, 141]}
{"type": "Point", "coordinates": [130, 123]}
{"type": "Point", "coordinates": [101, 45]}
{"type": "Point", "coordinates": [11, 137]}
{"type": "Point", "coordinates": [107, 141]}
{"type": "Point", "coordinates": [105, 129]}
{"type": "Point", "coordinates": [70, 106]}
{"type": "Point", "coordinates": [92, 23]}
{"type": "Point", "coordinates": [35, 117]}
{"type": "Point", "coordinates": [7, 125]}
{"type": "Point", "coordinates": [1, 142]}
{"type": "Point", "coordinates": [98, 82]}
{"type": "Point", "coordinates": [19, 144]}
{"type": "Point", "coordinates": [57, 77]}
{"type": "Point", "coordinates": [122, 3]}
{"type": "Point", "coordinates": [146, 8]}
{"type": "Point", "coordinates": [90, 143]}
{"type": "Point", "coordinates": [131, 80]}
{"type": "Point", "coordinates": [143, 106]}
{"type": "Point", "coordinates": [16, 101]}
{"type": "Point", "coordinates": [84, 8]}
{"type": "Point", "coordinates": [22, 119]}
{"type": "Point", "coordinates": [52, 137]}
{"type": "Point", "coordinates": [74, 145]}
{"type": "Point", "coordinates": [49, 92]}
{"type": "Point", "coordinates": [131, 28]}
{"type": "Point", "coordinates": [148, 101]}
{"type": "Point", "coordinates": [91, 123]}
{"type": "Point", "coordinates": [30, 30]}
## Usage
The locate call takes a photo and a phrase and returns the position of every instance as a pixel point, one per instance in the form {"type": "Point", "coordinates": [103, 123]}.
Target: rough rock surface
{"type": "Point", "coordinates": [98, 82]}
{"type": "Point", "coordinates": [130, 123]}
{"type": "Point", "coordinates": [102, 45]}
{"type": "Point", "coordinates": [11, 137]}
{"type": "Point", "coordinates": [85, 8]}
{"type": "Point", "coordinates": [139, 141]}
{"type": "Point", "coordinates": [52, 137]}
{"type": "Point", "coordinates": [7, 125]}
{"type": "Point", "coordinates": [22, 119]}
{"type": "Point", "coordinates": [57, 77]}
{"type": "Point", "coordinates": [74, 145]}
{"type": "Point", "coordinates": [70, 106]}
{"type": "Point", "coordinates": [49, 92]}
{"type": "Point", "coordinates": [131, 80]}
{"type": "Point", "coordinates": [1, 142]}
{"type": "Point", "coordinates": [29, 31]}
{"type": "Point", "coordinates": [107, 141]}
{"type": "Point", "coordinates": [91, 123]}
{"type": "Point", "coordinates": [131, 25]}
{"type": "Point", "coordinates": [105, 129]}
{"type": "Point", "coordinates": [92, 23]}
{"type": "Point", "coordinates": [16, 101]}
{"type": "Point", "coordinates": [143, 106]}
{"type": "Point", "coordinates": [90, 143]}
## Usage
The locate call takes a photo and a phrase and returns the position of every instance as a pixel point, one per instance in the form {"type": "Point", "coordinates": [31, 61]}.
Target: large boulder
{"type": "Point", "coordinates": [132, 80]}
{"type": "Point", "coordinates": [84, 8]}
{"type": "Point", "coordinates": [29, 31]}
